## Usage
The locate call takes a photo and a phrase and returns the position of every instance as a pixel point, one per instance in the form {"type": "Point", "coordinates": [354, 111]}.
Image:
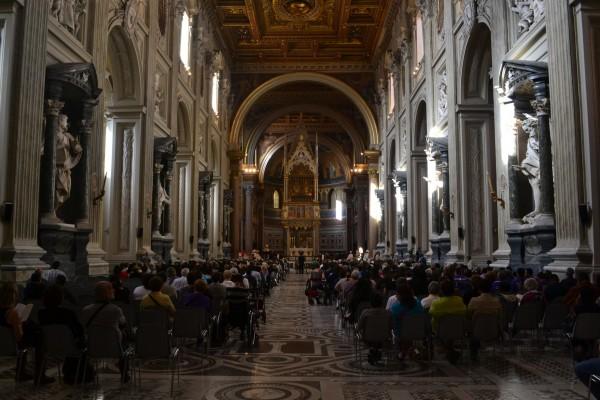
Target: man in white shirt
{"type": "Point", "coordinates": [181, 282]}
{"type": "Point", "coordinates": [51, 274]}
{"type": "Point", "coordinates": [227, 282]}
{"type": "Point", "coordinates": [434, 294]}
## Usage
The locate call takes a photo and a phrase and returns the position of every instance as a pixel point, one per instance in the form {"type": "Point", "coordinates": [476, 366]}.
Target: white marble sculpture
{"type": "Point", "coordinates": [163, 199]}
{"type": "Point", "coordinates": [530, 166]}
{"type": "Point", "coordinates": [526, 14]}
{"type": "Point", "coordinates": [68, 154]}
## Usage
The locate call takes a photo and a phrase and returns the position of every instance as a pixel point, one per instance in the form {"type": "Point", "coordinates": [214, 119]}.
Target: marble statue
{"type": "Point", "coordinates": [68, 154]}
{"type": "Point", "coordinates": [67, 13]}
{"type": "Point", "coordinates": [163, 199]}
{"type": "Point", "coordinates": [526, 14]}
{"type": "Point", "coordinates": [530, 166]}
{"type": "Point", "coordinates": [159, 95]}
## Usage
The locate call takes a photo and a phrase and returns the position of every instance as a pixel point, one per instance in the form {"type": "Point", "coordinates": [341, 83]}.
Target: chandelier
{"type": "Point", "coordinates": [299, 7]}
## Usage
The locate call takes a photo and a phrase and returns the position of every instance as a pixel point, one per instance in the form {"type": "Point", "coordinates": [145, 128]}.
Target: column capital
{"type": "Point", "coordinates": [541, 106]}
{"type": "Point", "coordinates": [54, 107]}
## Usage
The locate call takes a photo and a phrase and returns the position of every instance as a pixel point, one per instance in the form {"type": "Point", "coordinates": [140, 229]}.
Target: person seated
{"type": "Point", "coordinates": [35, 288]}
{"type": "Point", "coordinates": [103, 314]}
{"type": "Point", "coordinates": [167, 288]}
{"type": "Point", "coordinates": [484, 304]}
{"type": "Point", "coordinates": [569, 281]}
{"type": "Point", "coordinates": [181, 282]}
{"type": "Point", "coordinates": [143, 290]}
{"type": "Point", "coordinates": [448, 304]}
{"type": "Point", "coordinates": [360, 297]}
{"type": "Point", "coordinates": [407, 304]}
{"type": "Point", "coordinates": [532, 294]}
{"type": "Point", "coordinates": [156, 299]}
{"type": "Point", "coordinates": [217, 292]}
{"type": "Point", "coordinates": [54, 314]}
{"type": "Point", "coordinates": [227, 282]}
{"type": "Point", "coordinates": [586, 304]}
{"type": "Point", "coordinates": [26, 334]}
{"type": "Point", "coordinates": [375, 325]}
{"type": "Point", "coordinates": [583, 280]}
{"type": "Point", "coordinates": [434, 293]}
{"type": "Point", "coordinates": [200, 298]}
{"type": "Point", "coordinates": [238, 300]}
{"type": "Point", "coordinates": [553, 290]}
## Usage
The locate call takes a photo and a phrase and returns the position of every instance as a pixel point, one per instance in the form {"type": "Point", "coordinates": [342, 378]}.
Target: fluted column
{"type": "Point", "coordinates": [235, 157]}
{"type": "Point", "coordinates": [445, 197]}
{"type": "Point", "coordinates": [572, 241]}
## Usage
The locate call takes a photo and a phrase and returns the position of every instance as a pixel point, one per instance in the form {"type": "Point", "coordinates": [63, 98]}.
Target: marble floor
{"type": "Point", "coordinates": [304, 354]}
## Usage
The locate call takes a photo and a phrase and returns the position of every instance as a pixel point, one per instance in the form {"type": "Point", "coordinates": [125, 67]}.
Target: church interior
{"type": "Point", "coordinates": [300, 199]}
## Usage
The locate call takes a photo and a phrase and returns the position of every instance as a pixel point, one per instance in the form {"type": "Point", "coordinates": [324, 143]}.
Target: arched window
{"type": "Point", "coordinates": [185, 42]}
{"type": "Point", "coordinates": [214, 98]}
{"type": "Point", "coordinates": [275, 199]}
{"type": "Point", "coordinates": [339, 210]}
{"type": "Point", "coordinates": [419, 47]}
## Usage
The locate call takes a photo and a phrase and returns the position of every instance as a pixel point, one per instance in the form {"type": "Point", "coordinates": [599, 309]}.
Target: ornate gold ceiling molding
{"type": "Point", "coordinates": [348, 91]}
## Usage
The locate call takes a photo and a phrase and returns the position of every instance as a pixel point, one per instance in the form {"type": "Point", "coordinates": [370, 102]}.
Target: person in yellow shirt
{"type": "Point", "coordinates": [448, 304]}
{"type": "Point", "coordinates": [156, 299]}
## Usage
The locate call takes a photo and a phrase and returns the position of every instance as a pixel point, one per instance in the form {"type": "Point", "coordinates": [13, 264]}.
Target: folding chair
{"type": "Point", "coordinates": [486, 328]}
{"type": "Point", "coordinates": [555, 318]}
{"type": "Point", "coordinates": [527, 317]}
{"type": "Point", "coordinates": [414, 328]}
{"type": "Point", "coordinates": [9, 349]}
{"type": "Point", "coordinates": [586, 328]}
{"type": "Point", "coordinates": [191, 323]}
{"type": "Point", "coordinates": [377, 330]}
{"type": "Point", "coordinates": [104, 343]}
{"type": "Point", "coordinates": [451, 329]}
{"type": "Point", "coordinates": [153, 343]}
{"type": "Point", "coordinates": [59, 344]}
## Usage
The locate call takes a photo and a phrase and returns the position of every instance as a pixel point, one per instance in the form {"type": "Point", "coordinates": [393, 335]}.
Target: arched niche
{"type": "Point", "coordinates": [123, 67]}
{"type": "Point", "coordinates": [265, 88]}
{"type": "Point", "coordinates": [183, 126]}
{"type": "Point", "coordinates": [420, 139]}
{"type": "Point", "coordinates": [478, 145]}
{"type": "Point", "coordinates": [475, 80]}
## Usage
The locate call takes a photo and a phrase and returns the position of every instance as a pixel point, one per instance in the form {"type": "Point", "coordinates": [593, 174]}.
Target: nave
{"type": "Point", "coordinates": [304, 353]}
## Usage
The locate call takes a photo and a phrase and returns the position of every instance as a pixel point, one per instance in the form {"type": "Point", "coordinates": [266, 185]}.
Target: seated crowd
{"type": "Point", "coordinates": [410, 288]}
{"type": "Point", "coordinates": [217, 287]}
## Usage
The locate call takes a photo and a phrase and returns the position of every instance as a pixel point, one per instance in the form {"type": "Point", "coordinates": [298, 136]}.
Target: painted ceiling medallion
{"type": "Point", "coordinates": [298, 10]}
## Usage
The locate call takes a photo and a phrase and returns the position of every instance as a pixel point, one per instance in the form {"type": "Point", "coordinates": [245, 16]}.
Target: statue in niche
{"type": "Point", "coordinates": [443, 93]}
{"type": "Point", "coordinates": [163, 198]}
{"type": "Point", "coordinates": [530, 166]}
{"type": "Point", "coordinates": [68, 154]}
{"type": "Point", "coordinates": [159, 93]}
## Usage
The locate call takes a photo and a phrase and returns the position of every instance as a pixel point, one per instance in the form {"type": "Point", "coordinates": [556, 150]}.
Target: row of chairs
{"type": "Point", "coordinates": [486, 328]}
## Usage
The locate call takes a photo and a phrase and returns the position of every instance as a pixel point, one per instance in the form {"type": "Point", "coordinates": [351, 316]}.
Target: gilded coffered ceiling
{"type": "Point", "coordinates": [266, 35]}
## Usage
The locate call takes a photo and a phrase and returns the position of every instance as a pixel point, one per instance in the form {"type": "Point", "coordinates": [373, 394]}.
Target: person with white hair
{"type": "Point", "coordinates": [181, 282]}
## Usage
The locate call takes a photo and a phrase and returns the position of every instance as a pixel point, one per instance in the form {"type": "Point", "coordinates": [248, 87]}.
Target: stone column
{"type": "Point", "coordinates": [445, 197]}
{"type": "Point", "coordinates": [248, 229]}
{"type": "Point", "coordinates": [235, 157]}
{"type": "Point", "coordinates": [404, 193]}
{"type": "Point", "coordinates": [155, 205]}
{"type": "Point", "coordinates": [359, 204]}
{"type": "Point", "coordinates": [19, 251]}
{"type": "Point", "coordinates": [82, 187]}
{"type": "Point", "coordinates": [48, 164]}
{"type": "Point", "coordinates": [541, 105]}
{"type": "Point", "coordinates": [381, 226]}
{"type": "Point", "coordinates": [166, 221]}
{"type": "Point", "coordinates": [373, 203]}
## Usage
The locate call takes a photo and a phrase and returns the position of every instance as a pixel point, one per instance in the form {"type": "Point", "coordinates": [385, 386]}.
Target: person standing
{"type": "Point", "coordinates": [301, 260]}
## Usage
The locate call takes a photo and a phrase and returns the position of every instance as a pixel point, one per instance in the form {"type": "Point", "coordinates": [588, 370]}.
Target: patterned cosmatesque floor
{"type": "Point", "coordinates": [304, 354]}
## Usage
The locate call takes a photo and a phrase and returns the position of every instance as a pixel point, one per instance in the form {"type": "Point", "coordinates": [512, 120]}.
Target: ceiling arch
{"type": "Point", "coordinates": [339, 155]}
{"type": "Point", "coordinates": [345, 123]}
{"type": "Point", "coordinates": [345, 89]}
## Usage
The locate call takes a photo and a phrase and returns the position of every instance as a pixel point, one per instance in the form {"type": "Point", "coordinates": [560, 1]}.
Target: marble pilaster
{"type": "Point", "coordinates": [20, 251]}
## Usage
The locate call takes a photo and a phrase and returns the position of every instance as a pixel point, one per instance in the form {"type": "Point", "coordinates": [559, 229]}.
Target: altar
{"type": "Point", "coordinates": [301, 208]}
